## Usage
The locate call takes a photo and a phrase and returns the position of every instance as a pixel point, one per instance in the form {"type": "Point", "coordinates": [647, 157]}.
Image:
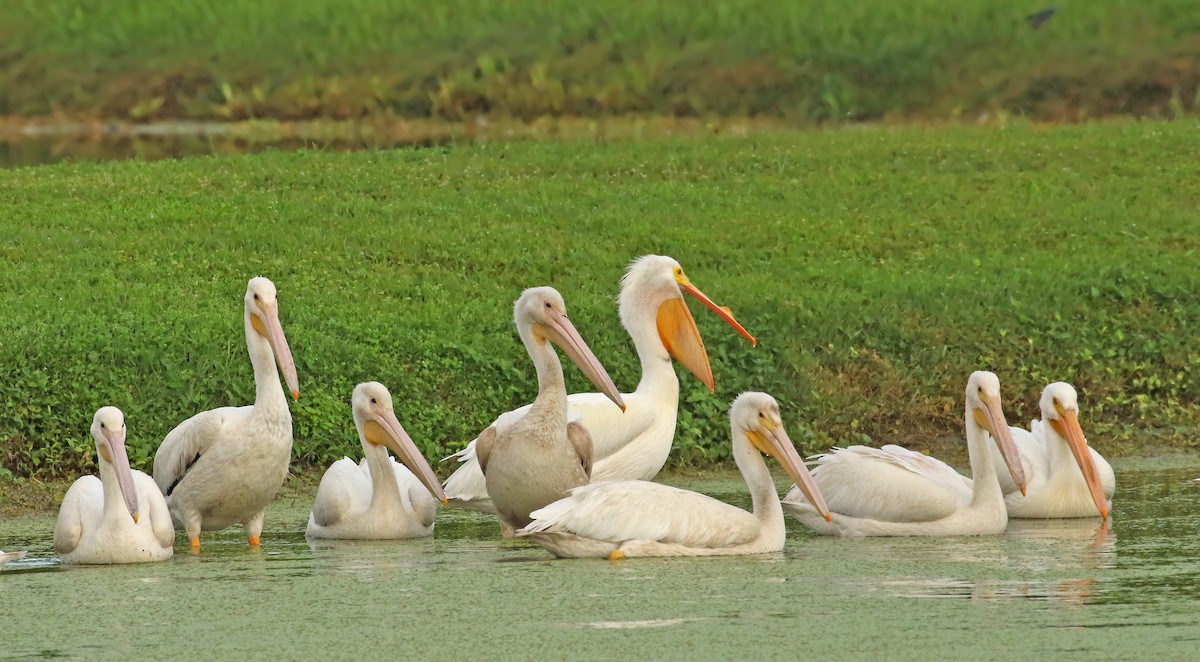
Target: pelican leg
{"type": "Point", "coordinates": [254, 527]}
{"type": "Point", "coordinates": [506, 530]}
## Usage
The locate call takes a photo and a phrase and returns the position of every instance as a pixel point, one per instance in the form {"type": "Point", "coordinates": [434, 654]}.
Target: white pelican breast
{"type": "Point", "coordinates": [893, 491]}
{"type": "Point", "coordinates": [639, 518]}
{"type": "Point", "coordinates": [1067, 478]}
{"type": "Point", "coordinates": [633, 445]}
{"type": "Point", "coordinates": [378, 498]}
{"type": "Point", "coordinates": [120, 517]}
{"type": "Point", "coordinates": [224, 466]}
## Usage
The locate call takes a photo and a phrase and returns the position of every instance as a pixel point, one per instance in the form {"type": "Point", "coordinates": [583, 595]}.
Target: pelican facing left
{"type": "Point", "coordinates": [1067, 478]}
{"type": "Point", "coordinates": [120, 517]}
{"type": "Point", "coordinates": [640, 518]}
{"type": "Point", "coordinates": [224, 466]}
{"type": "Point", "coordinates": [378, 498]}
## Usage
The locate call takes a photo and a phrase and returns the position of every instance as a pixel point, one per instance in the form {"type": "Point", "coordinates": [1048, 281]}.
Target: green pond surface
{"type": "Point", "coordinates": [1066, 588]}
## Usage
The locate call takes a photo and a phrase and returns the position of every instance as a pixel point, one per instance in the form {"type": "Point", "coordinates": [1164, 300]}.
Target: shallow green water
{"type": "Point", "coordinates": [1061, 587]}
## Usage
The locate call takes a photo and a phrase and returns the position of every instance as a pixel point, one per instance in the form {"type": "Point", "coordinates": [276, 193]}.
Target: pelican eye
{"type": "Point", "coordinates": [372, 400]}
{"type": "Point", "coordinates": [101, 426]}
{"type": "Point", "coordinates": [760, 415]}
{"type": "Point", "coordinates": [548, 305]}
{"type": "Point", "coordinates": [256, 296]}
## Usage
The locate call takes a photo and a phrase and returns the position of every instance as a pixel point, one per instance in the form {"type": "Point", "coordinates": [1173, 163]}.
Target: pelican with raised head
{"type": "Point", "coordinates": [224, 466]}
{"type": "Point", "coordinates": [635, 444]}
{"type": "Point", "coordinates": [120, 517]}
{"type": "Point", "coordinates": [1067, 478]}
{"type": "Point", "coordinates": [892, 491]}
{"type": "Point", "coordinates": [620, 519]}
{"type": "Point", "coordinates": [536, 458]}
{"type": "Point", "coordinates": [378, 498]}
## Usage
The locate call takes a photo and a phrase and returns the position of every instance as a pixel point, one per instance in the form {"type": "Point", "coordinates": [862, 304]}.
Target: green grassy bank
{"type": "Point", "coordinates": [877, 268]}
{"type": "Point", "coordinates": [803, 61]}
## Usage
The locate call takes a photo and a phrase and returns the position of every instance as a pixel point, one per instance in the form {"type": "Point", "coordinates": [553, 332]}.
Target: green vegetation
{"type": "Point", "coordinates": [877, 267]}
{"type": "Point", "coordinates": [801, 61]}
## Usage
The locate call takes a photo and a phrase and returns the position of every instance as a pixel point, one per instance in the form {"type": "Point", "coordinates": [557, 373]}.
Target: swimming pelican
{"type": "Point", "coordinates": [378, 498]}
{"type": "Point", "coordinates": [5, 557]}
{"type": "Point", "coordinates": [639, 518]}
{"type": "Point", "coordinates": [892, 491]}
{"type": "Point", "coordinates": [538, 457]}
{"type": "Point", "coordinates": [120, 517]}
{"type": "Point", "coordinates": [1066, 477]}
{"type": "Point", "coordinates": [633, 445]}
{"type": "Point", "coordinates": [223, 466]}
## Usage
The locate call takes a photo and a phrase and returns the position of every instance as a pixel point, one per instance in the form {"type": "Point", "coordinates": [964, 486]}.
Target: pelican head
{"type": "Point", "coordinates": [757, 416]}
{"type": "Point", "coordinates": [541, 312]}
{"type": "Point", "coordinates": [657, 283]}
{"type": "Point", "coordinates": [1060, 408]}
{"type": "Point", "coordinates": [378, 426]}
{"type": "Point", "coordinates": [262, 309]}
{"type": "Point", "coordinates": [983, 405]}
{"type": "Point", "coordinates": [108, 429]}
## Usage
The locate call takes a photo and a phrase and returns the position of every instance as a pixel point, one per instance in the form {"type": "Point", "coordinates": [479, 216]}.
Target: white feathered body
{"type": "Point", "coordinates": [647, 519]}
{"type": "Point", "coordinates": [892, 491]}
{"type": "Point", "coordinates": [348, 507]}
{"type": "Point", "coordinates": [243, 460]}
{"type": "Point", "coordinates": [1056, 486]}
{"type": "Point", "coordinates": [88, 532]}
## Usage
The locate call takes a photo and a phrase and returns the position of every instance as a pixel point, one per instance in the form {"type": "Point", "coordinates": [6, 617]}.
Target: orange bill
{"type": "Point", "coordinates": [1067, 426]}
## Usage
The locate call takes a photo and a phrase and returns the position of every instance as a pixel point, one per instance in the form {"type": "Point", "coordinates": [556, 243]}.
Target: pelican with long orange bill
{"type": "Point", "coordinates": [1067, 478]}
{"type": "Point", "coordinates": [379, 498]}
{"type": "Point", "coordinates": [538, 457]}
{"type": "Point", "coordinates": [223, 466]}
{"type": "Point", "coordinates": [620, 519]}
{"type": "Point", "coordinates": [892, 491]}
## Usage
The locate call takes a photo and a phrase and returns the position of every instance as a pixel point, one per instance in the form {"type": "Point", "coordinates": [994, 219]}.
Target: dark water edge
{"type": "Point", "coordinates": [40, 142]}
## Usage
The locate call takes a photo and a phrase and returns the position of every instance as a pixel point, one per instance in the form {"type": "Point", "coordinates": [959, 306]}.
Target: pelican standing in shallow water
{"type": "Point", "coordinates": [892, 491]}
{"type": "Point", "coordinates": [223, 466]}
{"type": "Point", "coordinates": [120, 517]}
{"type": "Point", "coordinates": [379, 498]}
{"type": "Point", "coordinates": [536, 458]}
{"type": "Point", "coordinates": [1066, 477]}
{"type": "Point", "coordinates": [639, 518]}
{"type": "Point", "coordinates": [635, 444]}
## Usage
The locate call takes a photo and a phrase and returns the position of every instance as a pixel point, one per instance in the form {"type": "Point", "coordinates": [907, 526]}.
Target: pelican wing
{"type": "Point", "coordinates": [82, 507]}
{"type": "Point", "coordinates": [618, 511]}
{"type": "Point", "coordinates": [153, 504]}
{"type": "Point", "coordinates": [891, 484]}
{"type": "Point", "coordinates": [345, 488]}
{"type": "Point", "coordinates": [581, 441]}
{"type": "Point", "coordinates": [190, 440]}
{"type": "Point", "coordinates": [413, 494]}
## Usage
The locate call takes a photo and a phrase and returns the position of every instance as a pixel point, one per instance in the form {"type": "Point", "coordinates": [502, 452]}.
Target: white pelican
{"type": "Point", "coordinates": [5, 557]}
{"type": "Point", "coordinates": [538, 457]}
{"type": "Point", "coordinates": [120, 517]}
{"type": "Point", "coordinates": [639, 518]}
{"type": "Point", "coordinates": [1066, 477]}
{"type": "Point", "coordinates": [892, 491]}
{"type": "Point", "coordinates": [633, 445]}
{"type": "Point", "coordinates": [378, 498]}
{"type": "Point", "coordinates": [223, 466]}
